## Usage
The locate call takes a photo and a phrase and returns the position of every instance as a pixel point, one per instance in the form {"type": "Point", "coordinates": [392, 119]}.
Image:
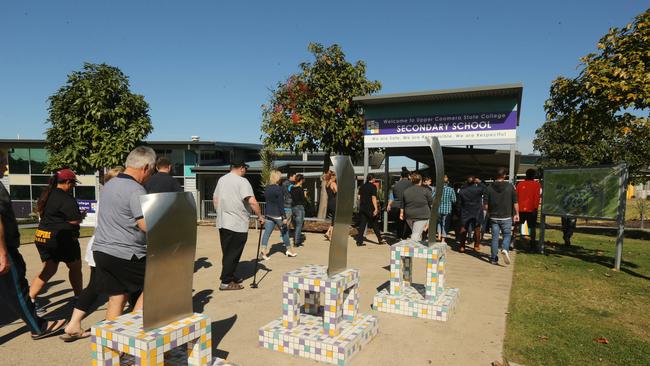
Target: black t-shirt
{"type": "Point", "coordinates": [162, 182]}
{"type": "Point", "coordinates": [60, 208]}
{"type": "Point", "coordinates": [12, 235]}
{"type": "Point", "coordinates": [297, 196]}
{"type": "Point", "coordinates": [366, 192]}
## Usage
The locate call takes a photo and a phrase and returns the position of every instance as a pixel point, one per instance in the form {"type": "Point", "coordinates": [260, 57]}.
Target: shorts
{"type": "Point", "coordinates": [117, 276]}
{"type": "Point", "coordinates": [64, 252]}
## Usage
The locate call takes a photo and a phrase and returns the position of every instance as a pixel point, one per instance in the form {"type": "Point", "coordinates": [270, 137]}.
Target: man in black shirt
{"type": "Point", "coordinates": [14, 288]}
{"type": "Point", "coordinates": [395, 205]}
{"type": "Point", "coordinates": [368, 210]}
{"type": "Point", "coordinates": [163, 181]}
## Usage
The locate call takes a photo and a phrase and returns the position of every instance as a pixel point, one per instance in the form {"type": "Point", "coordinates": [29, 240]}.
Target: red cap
{"type": "Point", "coordinates": [65, 175]}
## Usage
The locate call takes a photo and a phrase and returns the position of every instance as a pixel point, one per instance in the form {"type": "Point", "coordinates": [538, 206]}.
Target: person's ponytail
{"type": "Point", "coordinates": [45, 195]}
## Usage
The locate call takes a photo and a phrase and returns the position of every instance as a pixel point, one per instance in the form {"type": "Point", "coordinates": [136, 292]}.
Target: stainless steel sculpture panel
{"type": "Point", "coordinates": [338, 255]}
{"type": "Point", "coordinates": [438, 162]}
{"type": "Point", "coordinates": [171, 246]}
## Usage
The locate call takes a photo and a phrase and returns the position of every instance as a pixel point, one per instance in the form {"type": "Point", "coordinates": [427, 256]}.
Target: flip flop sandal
{"type": "Point", "coordinates": [50, 330]}
{"type": "Point", "coordinates": [75, 336]}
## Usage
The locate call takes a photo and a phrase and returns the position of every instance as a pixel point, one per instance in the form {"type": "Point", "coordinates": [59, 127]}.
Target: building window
{"type": "Point", "coordinates": [41, 179]}
{"type": "Point", "coordinates": [19, 161]}
{"type": "Point", "coordinates": [36, 192]}
{"type": "Point", "coordinates": [20, 193]}
{"type": "Point", "coordinates": [84, 192]}
{"type": "Point", "coordinates": [38, 159]}
{"type": "Point", "coordinates": [177, 158]}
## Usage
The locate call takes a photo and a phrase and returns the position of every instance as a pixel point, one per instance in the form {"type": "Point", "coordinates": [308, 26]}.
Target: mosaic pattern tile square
{"type": "Point", "coordinates": [320, 318]}
{"type": "Point", "coordinates": [430, 300]}
{"type": "Point", "coordinates": [126, 334]}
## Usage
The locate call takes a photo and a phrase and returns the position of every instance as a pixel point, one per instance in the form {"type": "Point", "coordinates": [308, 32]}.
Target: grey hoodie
{"type": "Point", "coordinates": [501, 197]}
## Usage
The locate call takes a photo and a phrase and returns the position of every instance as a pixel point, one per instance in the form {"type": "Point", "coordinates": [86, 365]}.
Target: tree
{"type": "Point", "coordinates": [95, 120]}
{"type": "Point", "coordinates": [313, 110]}
{"type": "Point", "coordinates": [601, 116]}
{"type": "Point", "coordinates": [642, 207]}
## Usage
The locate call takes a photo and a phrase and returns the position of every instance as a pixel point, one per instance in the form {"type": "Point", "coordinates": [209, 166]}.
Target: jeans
{"type": "Point", "coordinates": [499, 226]}
{"type": "Point", "coordinates": [443, 221]}
{"type": "Point", "coordinates": [299, 220]}
{"type": "Point", "coordinates": [269, 225]}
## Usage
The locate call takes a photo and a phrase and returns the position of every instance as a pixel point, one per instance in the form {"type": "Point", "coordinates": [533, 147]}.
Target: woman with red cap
{"type": "Point", "coordinates": [57, 236]}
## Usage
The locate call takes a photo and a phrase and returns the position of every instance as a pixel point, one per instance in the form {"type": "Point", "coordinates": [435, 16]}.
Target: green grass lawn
{"type": "Point", "coordinates": [563, 300]}
{"type": "Point", "coordinates": [27, 235]}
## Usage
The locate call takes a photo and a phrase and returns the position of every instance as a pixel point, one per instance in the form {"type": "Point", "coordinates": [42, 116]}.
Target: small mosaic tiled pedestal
{"type": "Point", "coordinates": [125, 334]}
{"type": "Point", "coordinates": [333, 332]}
{"type": "Point", "coordinates": [429, 301]}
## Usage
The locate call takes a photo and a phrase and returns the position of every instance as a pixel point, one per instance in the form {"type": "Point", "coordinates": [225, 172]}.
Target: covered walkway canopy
{"type": "Point", "coordinates": [462, 119]}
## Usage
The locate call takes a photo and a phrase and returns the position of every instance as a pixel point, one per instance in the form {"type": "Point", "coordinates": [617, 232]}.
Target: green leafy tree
{"type": "Point", "coordinates": [313, 110]}
{"type": "Point", "coordinates": [601, 116]}
{"type": "Point", "coordinates": [95, 120]}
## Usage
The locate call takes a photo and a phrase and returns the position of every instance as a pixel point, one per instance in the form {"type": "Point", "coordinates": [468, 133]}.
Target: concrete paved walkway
{"type": "Point", "coordinates": [473, 336]}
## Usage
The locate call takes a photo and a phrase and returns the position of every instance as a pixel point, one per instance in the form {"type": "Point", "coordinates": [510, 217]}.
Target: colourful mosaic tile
{"type": "Point", "coordinates": [431, 300]}
{"type": "Point", "coordinates": [329, 327]}
{"type": "Point", "coordinates": [126, 335]}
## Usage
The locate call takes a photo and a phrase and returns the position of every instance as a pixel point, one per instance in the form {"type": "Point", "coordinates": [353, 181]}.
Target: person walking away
{"type": "Point", "coordinates": [74, 331]}
{"type": "Point", "coordinates": [120, 245]}
{"type": "Point", "coordinates": [163, 181]}
{"type": "Point", "coordinates": [298, 208]}
{"type": "Point", "coordinates": [332, 189]}
{"type": "Point", "coordinates": [502, 208]}
{"type": "Point", "coordinates": [275, 215]}
{"type": "Point", "coordinates": [395, 205]}
{"type": "Point", "coordinates": [14, 288]}
{"type": "Point", "coordinates": [57, 236]}
{"type": "Point", "coordinates": [446, 203]}
{"type": "Point", "coordinates": [234, 200]}
{"type": "Point", "coordinates": [417, 201]}
{"type": "Point", "coordinates": [286, 192]}
{"type": "Point", "coordinates": [528, 197]}
{"type": "Point", "coordinates": [470, 199]}
{"type": "Point", "coordinates": [368, 211]}
{"type": "Point", "coordinates": [568, 226]}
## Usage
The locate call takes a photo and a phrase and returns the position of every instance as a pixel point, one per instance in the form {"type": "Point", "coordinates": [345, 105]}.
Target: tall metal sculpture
{"type": "Point", "coordinates": [338, 254]}
{"type": "Point", "coordinates": [171, 246]}
{"type": "Point", "coordinates": [438, 162]}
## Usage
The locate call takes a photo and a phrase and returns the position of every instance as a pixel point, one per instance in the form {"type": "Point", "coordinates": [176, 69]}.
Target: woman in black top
{"type": "Point", "coordinates": [298, 208]}
{"type": "Point", "coordinates": [274, 215]}
{"type": "Point", "coordinates": [60, 216]}
{"type": "Point", "coordinates": [331, 188]}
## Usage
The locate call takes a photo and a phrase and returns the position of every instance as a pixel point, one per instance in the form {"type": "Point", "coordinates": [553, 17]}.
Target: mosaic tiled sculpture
{"type": "Point", "coordinates": [154, 347]}
{"type": "Point", "coordinates": [430, 301]}
{"type": "Point", "coordinates": [332, 332]}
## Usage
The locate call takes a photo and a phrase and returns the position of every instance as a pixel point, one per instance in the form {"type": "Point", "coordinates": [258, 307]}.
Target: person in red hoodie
{"type": "Point", "coordinates": [528, 195]}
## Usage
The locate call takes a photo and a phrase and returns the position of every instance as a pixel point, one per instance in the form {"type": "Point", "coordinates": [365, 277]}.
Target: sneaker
{"type": "Point", "coordinates": [264, 257]}
{"type": "Point", "coordinates": [290, 254]}
{"type": "Point", "coordinates": [506, 256]}
{"type": "Point", "coordinates": [496, 263]}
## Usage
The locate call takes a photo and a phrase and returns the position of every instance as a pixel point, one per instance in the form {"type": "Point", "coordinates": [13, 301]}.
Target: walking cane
{"type": "Point", "coordinates": [257, 259]}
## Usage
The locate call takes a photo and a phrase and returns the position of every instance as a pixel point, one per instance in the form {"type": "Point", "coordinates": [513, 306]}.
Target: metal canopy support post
{"type": "Point", "coordinates": [387, 184]}
{"type": "Point", "coordinates": [511, 168]}
{"type": "Point", "coordinates": [345, 178]}
{"type": "Point", "coordinates": [621, 218]}
{"type": "Point", "coordinates": [366, 163]}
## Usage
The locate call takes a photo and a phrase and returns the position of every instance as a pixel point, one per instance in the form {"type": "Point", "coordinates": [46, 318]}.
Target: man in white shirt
{"type": "Point", "coordinates": [234, 200]}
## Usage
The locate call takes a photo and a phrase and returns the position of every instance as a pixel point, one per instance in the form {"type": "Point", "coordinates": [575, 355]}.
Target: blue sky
{"type": "Point", "coordinates": [205, 67]}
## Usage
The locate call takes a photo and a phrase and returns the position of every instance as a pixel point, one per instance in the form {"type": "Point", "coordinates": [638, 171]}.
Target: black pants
{"type": "Point", "coordinates": [568, 225]}
{"type": "Point", "coordinates": [531, 219]}
{"type": "Point", "coordinates": [89, 294]}
{"type": "Point", "coordinates": [14, 293]}
{"type": "Point", "coordinates": [367, 219]}
{"type": "Point", "coordinates": [232, 246]}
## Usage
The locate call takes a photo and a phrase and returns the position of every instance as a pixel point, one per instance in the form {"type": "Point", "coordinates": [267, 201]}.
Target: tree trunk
{"type": "Point", "coordinates": [322, 197]}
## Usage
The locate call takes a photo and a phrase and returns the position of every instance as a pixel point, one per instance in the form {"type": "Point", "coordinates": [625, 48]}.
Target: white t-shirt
{"type": "Point", "coordinates": [89, 252]}
{"type": "Point", "coordinates": [233, 211]}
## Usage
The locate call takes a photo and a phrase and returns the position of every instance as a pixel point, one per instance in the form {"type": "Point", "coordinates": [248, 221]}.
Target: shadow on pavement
{"type": "Point", "coordinates": [201, 263]}
{"type": "Point", "coordinates": [201, 299]}
{"type": "Point", "coordinates": [246, 270]}
{"type": "Point", "coordinates": [219, 330]}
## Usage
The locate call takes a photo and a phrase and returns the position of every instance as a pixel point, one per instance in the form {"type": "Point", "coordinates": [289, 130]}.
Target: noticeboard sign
{"type": "Point", "coordinates": [583, 192]}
